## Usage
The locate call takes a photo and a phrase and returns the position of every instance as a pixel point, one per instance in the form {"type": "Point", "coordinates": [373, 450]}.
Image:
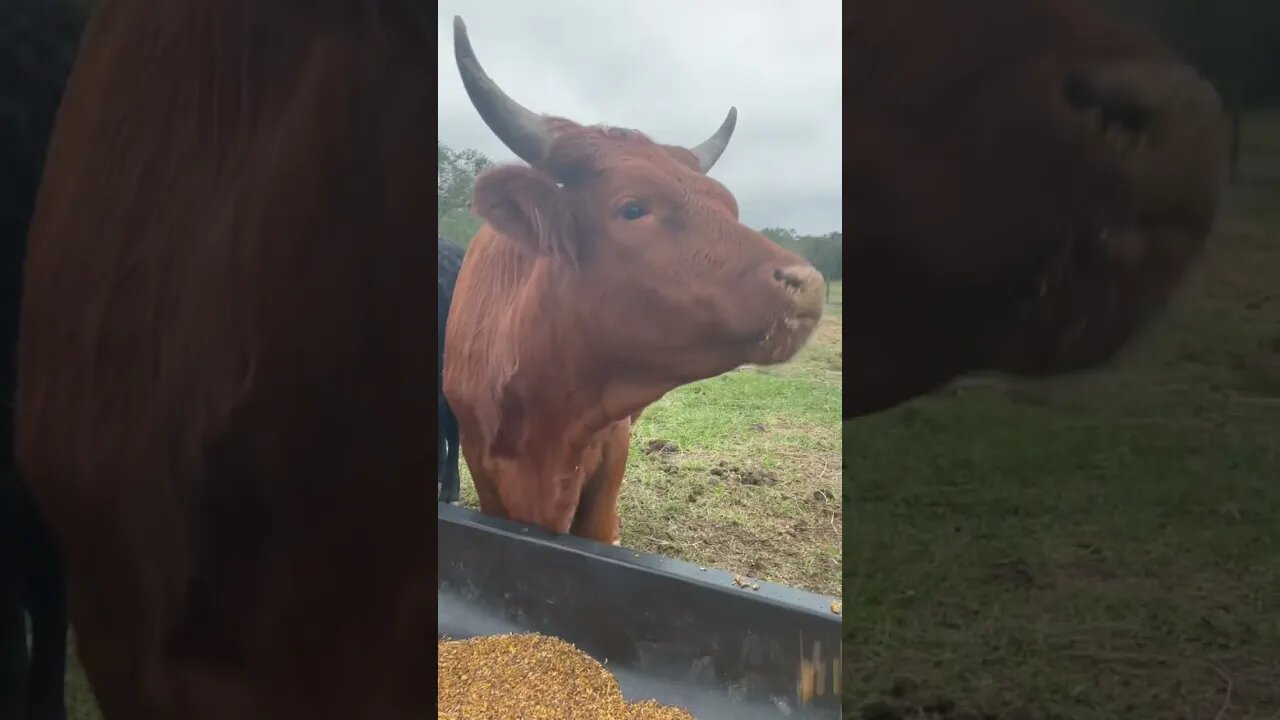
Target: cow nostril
{"type": "Point", "coordinates": [1111, 102]}
{"type": "Point", "coordinates": [803, 290]}
{"type": "Point", "coordinates": [788, 276]}
{"type": "Point", "coordinates": [798, 277]}
{"type": "Point", "coordinates": [1078, 91]}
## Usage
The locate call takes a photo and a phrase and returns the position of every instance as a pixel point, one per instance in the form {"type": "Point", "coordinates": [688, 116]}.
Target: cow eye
{"type": "Point", "coordinates": [633, 211]}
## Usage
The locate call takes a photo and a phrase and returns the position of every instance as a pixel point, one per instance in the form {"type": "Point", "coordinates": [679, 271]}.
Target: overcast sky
{"type": "Point", "coordinates": [672, 69]}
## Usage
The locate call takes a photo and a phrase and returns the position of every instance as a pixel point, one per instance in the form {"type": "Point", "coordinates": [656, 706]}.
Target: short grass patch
{"type": "Point", "coordinates": [1105, 547]}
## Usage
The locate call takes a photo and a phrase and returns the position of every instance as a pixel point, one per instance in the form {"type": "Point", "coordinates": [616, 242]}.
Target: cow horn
{"type": "Point", "coordinates": [710, 149]}
{"type": "Point", "coordinates": [523, 131]}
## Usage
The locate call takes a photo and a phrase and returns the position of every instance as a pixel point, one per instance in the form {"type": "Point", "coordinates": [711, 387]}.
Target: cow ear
{"type": "Point", "coordinates": [528, 207]}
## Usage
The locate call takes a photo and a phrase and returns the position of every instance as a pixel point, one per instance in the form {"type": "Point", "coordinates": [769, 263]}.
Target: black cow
{"type": "Point", "coordinates": [38, 40]}
{"type": "Point", "coordinates": [450, 257]}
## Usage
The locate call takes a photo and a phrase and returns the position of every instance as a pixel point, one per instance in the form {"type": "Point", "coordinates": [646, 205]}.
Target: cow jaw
{"type": "Point", "coordinates": [1157, 123]}
{"type": "Point", "coordinates": [1095, 297]}
{"type": "Point", "coordinates": [784, 338]}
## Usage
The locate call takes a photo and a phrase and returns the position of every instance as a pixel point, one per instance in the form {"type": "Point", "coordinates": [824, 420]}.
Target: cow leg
{"type": "Point", "coordinates": [13, 618]}
{"type": "Point", "coordinates": [449, 481]}
{"type": "Point", "coordinates": [597, 515]}
{"type": "Point", "coordinates": [452, 477]}
{"type": "Point", "coordinates": [440, 464]}
{"type": "Point", "coordinates": [48, 607]}
{"type": "Point", "coordinates": [13, 672]}
{"type": "Point", "coordinates": [490, 502]}
{"type": "Point", "coordinates": [490, 499]}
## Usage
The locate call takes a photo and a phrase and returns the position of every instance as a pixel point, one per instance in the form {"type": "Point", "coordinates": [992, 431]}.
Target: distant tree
{"type": "Point", "coordinates": [783, 236]}
{"type": "Point", "coordinates": [830, 255]}
{"type": "Point", "coordinates": [826, 252]}
{"type": "Point", "coordinates": [459, 226]}
{"type": "Point", "coordinates": [456, 172]}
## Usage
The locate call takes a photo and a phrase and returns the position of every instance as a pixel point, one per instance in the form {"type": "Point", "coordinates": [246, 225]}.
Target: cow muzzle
{"type": "Point", "coordinates": [1161, 125]}
{"type": "Point", "coordinates": [806, 289]}
{"type": "Point", "coordinates": [804, 293]}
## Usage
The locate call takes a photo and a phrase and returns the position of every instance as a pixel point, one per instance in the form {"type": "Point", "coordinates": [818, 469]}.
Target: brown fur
{"type": "Point", "coordinates": [567, 321]}
{"type": "Point", "coordinates": [977, 195]}
{"type": "Point", "coordinates": [225, 382]}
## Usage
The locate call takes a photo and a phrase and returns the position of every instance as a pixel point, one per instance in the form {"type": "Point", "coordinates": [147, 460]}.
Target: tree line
{"type": "Point", "coordinates": [456, 172]}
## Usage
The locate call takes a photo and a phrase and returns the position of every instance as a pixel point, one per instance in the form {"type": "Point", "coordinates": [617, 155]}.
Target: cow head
{"type": "Point", "coordinates": [648, 251]}
{"type": "Point", "coordinates": [1029, 182]}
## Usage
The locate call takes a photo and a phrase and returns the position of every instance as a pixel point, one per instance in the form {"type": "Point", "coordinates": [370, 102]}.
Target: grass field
{"type": "Point", "coordinates": [742, 472]}
{"type": "Point", "coordinates": [1104, 547]}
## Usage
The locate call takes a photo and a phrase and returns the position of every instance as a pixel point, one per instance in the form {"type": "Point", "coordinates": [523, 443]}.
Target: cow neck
{"type": "Point", "coordinates": [574, 370]}
{"type": "Point", "coordinates": [553, 401]}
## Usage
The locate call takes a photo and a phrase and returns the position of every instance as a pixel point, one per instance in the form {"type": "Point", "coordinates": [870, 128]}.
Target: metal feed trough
{"type": "Point", "coordinates": [666, 629]}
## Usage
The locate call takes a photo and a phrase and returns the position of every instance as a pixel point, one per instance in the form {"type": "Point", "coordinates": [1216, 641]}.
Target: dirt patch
{"type": "Point", "coordinates": [661, 446]}
{"type": "Point", "coordinates": [904, 699]}
{"type": "Point", "coordinates": [1086, 563]}
{"type": "Point", "coordinates": [1013, 573]}
{"type": "Point", "coordinates": [945, 710]}
{"type": "Point", "coordinates": [745, 476]}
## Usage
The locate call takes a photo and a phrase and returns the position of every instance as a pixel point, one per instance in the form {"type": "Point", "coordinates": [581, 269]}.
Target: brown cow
{"type": "Point", "coordinates": [1026, 183]}
{"type": "Point", "coordinates": [225, 380]}
{"type": "Point", "coordinates": [608, 273]}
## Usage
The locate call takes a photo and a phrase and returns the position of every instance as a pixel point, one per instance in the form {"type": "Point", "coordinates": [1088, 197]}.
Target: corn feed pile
{"type": "Point", "coordinates": [532, 677]}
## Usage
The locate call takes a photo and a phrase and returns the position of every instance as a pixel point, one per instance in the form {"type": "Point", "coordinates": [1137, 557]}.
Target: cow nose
{"type": "Point", "coordinates": [1133, 103]}
{"type": "Point", "coordinates": [791, 276]}
{"type": "Point", "coordinates": [805, 285]}
{"type": "Point", "coordinates": [1162, 123]}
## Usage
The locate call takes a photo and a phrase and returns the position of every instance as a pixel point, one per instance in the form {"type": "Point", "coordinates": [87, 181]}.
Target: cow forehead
{"type": "Point", "coordinates": [600, 148]}
{"type": "Point", "coordinates": [607, 163]}
{"type": "Point", "coordinates": [658, 176]}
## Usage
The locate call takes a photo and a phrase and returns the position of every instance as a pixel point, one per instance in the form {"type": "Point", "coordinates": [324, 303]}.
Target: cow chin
{"type": "Point", "coordinates": [785, 337]}
{"type": "Point", "coordinates": [1091, 306]}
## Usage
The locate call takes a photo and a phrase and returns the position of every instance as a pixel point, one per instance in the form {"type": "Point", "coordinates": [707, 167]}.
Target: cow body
{"type": "Point", "coordinates": [1027, 181]}
{"type": "Point", "coordinates": [222, 395]}
{"type": "Point", "coordinates": [449, 262]}
{"type": "Point", "coordinates": [37, 45]}
{"type": "Point", "coordinates": [608, 273]}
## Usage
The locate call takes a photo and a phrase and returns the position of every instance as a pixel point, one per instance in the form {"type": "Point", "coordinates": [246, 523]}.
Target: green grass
{"type": "Point", "coordinates": [753, 483]}
{"type": "Point", "coordinates": [1100, 547]}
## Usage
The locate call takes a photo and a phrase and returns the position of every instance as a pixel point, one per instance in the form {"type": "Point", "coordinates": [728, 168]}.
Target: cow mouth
{"type": "Point", "coordinates": [1142, 253]}
{"type": "Point", "coordinates": [784, 337]}
{"type": "Point", "coordinates": [1091, 300]}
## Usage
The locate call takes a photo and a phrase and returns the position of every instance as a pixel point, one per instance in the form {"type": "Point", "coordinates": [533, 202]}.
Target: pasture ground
{"type": "Point", "coordinates": [1099, 548]}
